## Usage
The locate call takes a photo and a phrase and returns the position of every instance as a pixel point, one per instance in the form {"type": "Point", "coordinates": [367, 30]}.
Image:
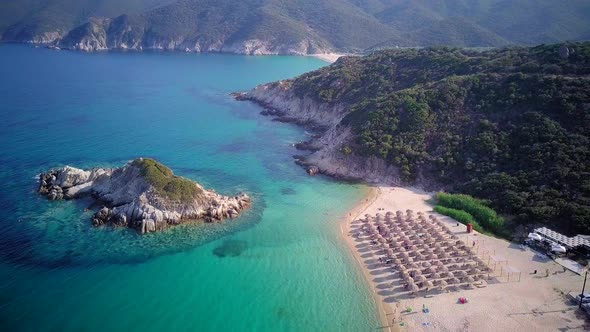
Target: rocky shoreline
{"type": "Point", "coordinates": [326, 149]}
{"type": "Point", "coordinates": [144, 195]}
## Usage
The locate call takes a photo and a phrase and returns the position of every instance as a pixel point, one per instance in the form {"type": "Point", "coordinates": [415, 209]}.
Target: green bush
{"type": "Point", "coordinates": [483, 215]}
{"type": "Point", "coordinates": [165, 183]}
{"type": "Point", "coordinates": [461, 216]}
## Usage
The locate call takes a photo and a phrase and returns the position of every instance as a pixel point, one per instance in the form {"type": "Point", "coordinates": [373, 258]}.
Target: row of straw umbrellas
{"type": "Point", "coordinates": [423, 251]}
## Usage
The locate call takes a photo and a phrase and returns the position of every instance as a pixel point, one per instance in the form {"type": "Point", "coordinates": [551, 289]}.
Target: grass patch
{"type": "Point", "coordinates": [459, 215]}
{"type": "Point", "coordinates": [472, 210]}
{"type": "Point", "coordinates": [165, 183]}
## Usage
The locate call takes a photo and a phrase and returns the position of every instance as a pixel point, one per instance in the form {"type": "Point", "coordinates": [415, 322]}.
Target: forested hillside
{"type": "Point", "coordinates": [28, 20]}
{"type": "Point", "coordinates": [295, 26]}
{"type": "Point", "coordinates": [511, 126]}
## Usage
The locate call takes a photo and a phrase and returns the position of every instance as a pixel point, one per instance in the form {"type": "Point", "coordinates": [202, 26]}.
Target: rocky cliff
{"type": "Point", "coordinates": [328, 148]}
{"type": "Point", "coordinates": [121, 33]}
{"type": "Point", "coordinates": [144, 195]}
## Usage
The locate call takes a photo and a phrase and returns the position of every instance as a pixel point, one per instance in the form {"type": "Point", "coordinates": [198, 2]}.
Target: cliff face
{"type": "Point", "coordinates": [122, 34]}
{"type": "Point", "coordinates": [143, 194]}
{"type": "Point", "coordinates": [328, 148]}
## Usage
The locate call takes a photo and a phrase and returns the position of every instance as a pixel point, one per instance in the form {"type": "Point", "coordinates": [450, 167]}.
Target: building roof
{"type": "Point", "coordinates": [568, 242]}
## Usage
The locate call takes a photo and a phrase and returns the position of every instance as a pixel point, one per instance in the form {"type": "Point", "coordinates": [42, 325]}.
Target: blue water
{"type": "Point", "coordinates": [279, 267]}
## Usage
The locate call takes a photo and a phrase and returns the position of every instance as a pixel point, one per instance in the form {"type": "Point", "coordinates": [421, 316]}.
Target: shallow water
{"type": "Point", "coordinates": [280, 267]}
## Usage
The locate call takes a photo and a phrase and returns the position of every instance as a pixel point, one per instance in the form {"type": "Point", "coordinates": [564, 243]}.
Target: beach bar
{"type": "Point", "coordinates": [569, 243]}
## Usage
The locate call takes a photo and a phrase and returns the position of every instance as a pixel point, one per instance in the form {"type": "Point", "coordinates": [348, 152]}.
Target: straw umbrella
{"type": "Point", "coordinates": [462, 273]}
{"type": "Point", "coordinates": [442, 284]}
{"type": "Point", "coordinates": [404, 274]}
{"type": "Point", "coordinates": [469, 282]}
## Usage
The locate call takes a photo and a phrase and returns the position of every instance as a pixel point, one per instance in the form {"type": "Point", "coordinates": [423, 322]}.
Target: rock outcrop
{"type": "Point", "coordinates": [144, 195]}
{"type": "Point", "coordinates": [326, 147]}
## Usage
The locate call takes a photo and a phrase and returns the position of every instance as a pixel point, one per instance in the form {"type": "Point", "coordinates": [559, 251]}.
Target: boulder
{"type": "Point", "coordinates": [313, 170]}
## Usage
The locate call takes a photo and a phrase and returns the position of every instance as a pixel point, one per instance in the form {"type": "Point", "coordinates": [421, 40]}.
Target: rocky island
{"type": "Point", "coordinates": [143, 194]}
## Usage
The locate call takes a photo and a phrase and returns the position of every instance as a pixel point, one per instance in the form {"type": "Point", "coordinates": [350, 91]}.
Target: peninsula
{"type": "Point", "coordinates": [144, 195]}
{"type": "Point", "coordinates": [508, 126]}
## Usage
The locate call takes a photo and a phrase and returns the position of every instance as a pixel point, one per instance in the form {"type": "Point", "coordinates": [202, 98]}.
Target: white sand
{"type": "Point", "coordinates": [328, 57]}
{"type": "Point", "coordinates": [536, 303]}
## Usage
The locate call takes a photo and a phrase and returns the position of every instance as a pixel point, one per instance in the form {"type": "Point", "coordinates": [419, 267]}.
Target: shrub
{"type": "Point", "coordinates": [165, 183]}
{"type": "Point", "coordinates": [461, 216]}
{"type": "Point", "coordinates": [483, 215]}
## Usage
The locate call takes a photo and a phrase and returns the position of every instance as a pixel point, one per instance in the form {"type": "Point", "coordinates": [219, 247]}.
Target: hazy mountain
{"type": "Point", "coordinates": [295, 26]}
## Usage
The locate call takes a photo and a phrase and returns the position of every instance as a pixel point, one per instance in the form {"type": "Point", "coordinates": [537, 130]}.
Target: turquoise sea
{"type": "Point", "coordinates": [280, 267]}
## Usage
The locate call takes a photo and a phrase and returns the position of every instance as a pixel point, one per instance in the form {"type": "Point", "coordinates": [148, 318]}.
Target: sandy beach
{"type": "Point", "coordinates": [536, 302]}
{"type": "Point", "coordinates": [328, 57]}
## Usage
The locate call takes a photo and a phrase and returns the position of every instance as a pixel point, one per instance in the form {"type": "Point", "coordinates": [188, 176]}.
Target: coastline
{"type": "Point", "coordinates": [533, 302]}
{"type": "Point", "coordinates": [354, 213]}
{"type": "Point", "coordinates": [328, 57]}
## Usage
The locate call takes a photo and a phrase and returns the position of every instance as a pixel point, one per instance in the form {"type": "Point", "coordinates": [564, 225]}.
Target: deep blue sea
{"type": "Point", "coordinates": [280, 267]}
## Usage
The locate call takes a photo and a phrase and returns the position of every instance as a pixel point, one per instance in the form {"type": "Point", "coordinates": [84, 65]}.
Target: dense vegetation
{"type": "Point", "coordinates": [166, 183]}
{"type": "Point", "coordinates": [459, 215]}
{"type": "Point", "coordinates": [22, 20]}
{"type": "Point", "coordinates": [337, 24]}
{"type": "Point", "coordinates": [484, 217]}
{"type": "Point", "coordinates": [511, 126]}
